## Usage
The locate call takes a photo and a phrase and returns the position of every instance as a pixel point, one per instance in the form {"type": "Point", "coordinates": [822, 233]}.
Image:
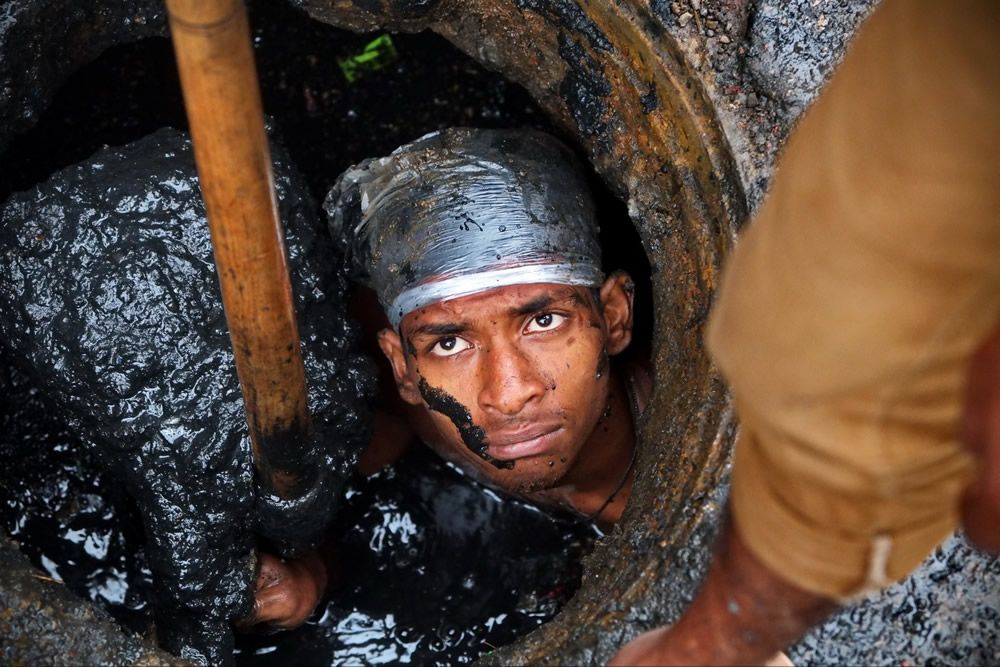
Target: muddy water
{"type": "Point", "coordinates": [71, 520]}
{"type": "Point", "coordinates": [434, 570]}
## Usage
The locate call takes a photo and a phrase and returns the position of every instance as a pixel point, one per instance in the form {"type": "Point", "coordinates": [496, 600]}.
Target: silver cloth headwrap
{"type": "Point", "coordinates": [461, 211]}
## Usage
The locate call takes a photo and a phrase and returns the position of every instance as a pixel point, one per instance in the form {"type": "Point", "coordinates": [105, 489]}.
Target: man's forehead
{"type": "Point", "coordinates": [509, 300]}
{"type": "Point", "coordinates": [464, 210]}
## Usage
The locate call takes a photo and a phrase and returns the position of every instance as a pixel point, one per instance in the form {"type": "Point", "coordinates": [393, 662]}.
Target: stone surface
{"type": "Point", "coordinates": [778, 56]}
{"type": "Point", "coordinates": [946, 612]}
{"type": "Point", "coordinates": [794, 46]}
{"type": "Point", "coordinates": [42, 623]}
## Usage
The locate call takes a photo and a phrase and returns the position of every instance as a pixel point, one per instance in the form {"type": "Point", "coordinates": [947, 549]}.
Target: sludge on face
{"type": "Point", "coordinates": [473, 436]}
{"type": "Point", "coordinates": [603, 363]}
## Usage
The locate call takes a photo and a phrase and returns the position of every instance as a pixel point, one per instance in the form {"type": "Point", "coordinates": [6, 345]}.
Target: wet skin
{"type": "Point", "coordinates": [515, 381]}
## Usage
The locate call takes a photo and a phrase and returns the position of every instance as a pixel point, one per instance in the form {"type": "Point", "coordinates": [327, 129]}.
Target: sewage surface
{"type": "Point", "coordinates": [73, 521]}
{"type": "Point", "coordinates": [434, 568]}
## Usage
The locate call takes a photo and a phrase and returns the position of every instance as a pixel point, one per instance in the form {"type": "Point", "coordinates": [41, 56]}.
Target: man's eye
{"type": "Point", "coordinates": [449, 346]}
{"type": "Point", "coordinates": [544, 322]}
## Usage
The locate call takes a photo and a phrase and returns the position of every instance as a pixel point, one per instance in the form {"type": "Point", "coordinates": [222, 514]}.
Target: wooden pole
{"type": "Point", "coordinates": [221, 94]}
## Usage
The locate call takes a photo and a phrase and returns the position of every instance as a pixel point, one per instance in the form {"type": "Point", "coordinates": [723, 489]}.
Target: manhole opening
{"type": "Point", "coordinates": [130, 91]}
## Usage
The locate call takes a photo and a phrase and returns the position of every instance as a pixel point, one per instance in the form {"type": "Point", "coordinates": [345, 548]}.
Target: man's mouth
{"type": "Point", "coordinates": [517, 444]}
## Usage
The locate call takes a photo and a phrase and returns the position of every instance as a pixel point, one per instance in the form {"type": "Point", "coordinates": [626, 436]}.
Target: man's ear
{"type": "Point", "coordinates": [392, 347]}
{"type": "Point", "coordinates": [616, 302]}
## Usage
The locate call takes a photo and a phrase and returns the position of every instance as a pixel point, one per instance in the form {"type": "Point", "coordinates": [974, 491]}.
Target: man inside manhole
{"type": "Point", "coordinates": [499, 326]}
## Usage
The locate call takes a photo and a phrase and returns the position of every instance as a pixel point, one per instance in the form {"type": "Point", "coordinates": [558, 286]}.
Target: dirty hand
{"type": "Point", "coordinates": [287, 590]}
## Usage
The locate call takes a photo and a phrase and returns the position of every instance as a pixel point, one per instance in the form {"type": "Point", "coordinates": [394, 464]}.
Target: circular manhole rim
{"type": "Point", "coordinates": [614, 78]}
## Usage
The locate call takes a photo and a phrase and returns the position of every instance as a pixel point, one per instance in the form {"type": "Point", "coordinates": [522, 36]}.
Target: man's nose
{"type": "Point", "coordinates": [511, 380]}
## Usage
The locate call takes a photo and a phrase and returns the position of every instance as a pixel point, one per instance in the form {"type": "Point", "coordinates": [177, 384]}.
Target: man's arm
{"type": "Point", "coordinates": [288, 590]}
{"type": "Point", "coordinates": [743, 614]}
{"type": "Point", "coordinates": [981, 436]}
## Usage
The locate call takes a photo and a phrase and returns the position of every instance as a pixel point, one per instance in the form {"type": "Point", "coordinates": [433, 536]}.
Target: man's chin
{"type": "Point", "coordinates": [520, 479]}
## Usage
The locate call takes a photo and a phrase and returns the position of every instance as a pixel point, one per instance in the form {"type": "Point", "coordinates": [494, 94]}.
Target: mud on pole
{"type": "Point", "coordinates": [222, 97]}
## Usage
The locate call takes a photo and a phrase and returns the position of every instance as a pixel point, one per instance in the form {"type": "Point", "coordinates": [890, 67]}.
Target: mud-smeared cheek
{"type": "Point", "coordinates": [473, 436]}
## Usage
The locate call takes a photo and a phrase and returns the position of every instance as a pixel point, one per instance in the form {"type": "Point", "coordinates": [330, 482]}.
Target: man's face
{"type": "Point", "coordinates": [516, 378]}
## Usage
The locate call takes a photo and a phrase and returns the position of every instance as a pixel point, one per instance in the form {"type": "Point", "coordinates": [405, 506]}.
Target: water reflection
{"type": "Point", "coordinates": [73, 523]}
{"type": "Point", "coordinates": [434, 570]}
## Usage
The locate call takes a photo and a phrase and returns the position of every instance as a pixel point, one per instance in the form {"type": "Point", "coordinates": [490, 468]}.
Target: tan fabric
{"type": "Point", "coordinates": [849, 311]}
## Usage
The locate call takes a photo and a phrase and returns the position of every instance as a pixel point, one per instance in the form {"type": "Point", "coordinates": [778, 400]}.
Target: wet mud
{"type": "Point", "coordinates": [418, 542]}
{"type": "Point", "coordinates": [603, 363]}
{"type": "Point", "coordinates": [125, 87]}
{"type": "Point", "coordinates": [586, 83]}
{"type": "Point", "coordinates": [109, 300]}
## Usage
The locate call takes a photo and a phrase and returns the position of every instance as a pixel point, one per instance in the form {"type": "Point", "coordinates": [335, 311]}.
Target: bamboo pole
{"type": "Point", "coordinates": [221, 94]}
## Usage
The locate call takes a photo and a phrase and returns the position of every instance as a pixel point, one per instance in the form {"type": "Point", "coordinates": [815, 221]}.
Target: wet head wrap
{"type": "Point", "coordinates": [462, 211]}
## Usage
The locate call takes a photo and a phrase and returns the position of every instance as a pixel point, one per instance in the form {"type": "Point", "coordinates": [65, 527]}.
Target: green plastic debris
{"type": "Point", "coordinates": [378, 54]}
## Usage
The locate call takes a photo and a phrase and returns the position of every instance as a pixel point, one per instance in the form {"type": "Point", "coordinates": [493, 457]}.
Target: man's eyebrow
{"type": "Point", "coordinates": [444, 329]}
{"type": "Point", "coordinates": [534, 305]}
{"type": "Point", "coordinates": [543, 302]}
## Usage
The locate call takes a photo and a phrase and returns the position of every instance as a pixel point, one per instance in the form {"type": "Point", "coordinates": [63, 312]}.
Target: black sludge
{"type": "Point", "coordinates": [473, 436]}
{"type": "Point", "coordinates": [108, 296]}
{"type": "Point", "coordinates": [435, 570]}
